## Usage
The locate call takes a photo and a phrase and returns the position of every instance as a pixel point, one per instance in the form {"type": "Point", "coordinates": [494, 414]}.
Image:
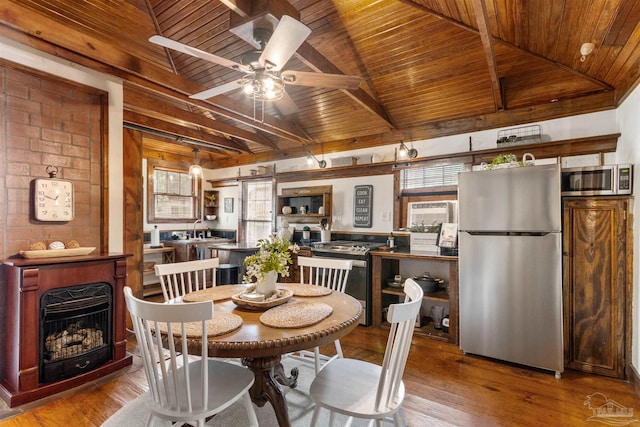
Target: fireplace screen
{"type": "Point", "coordinates": [75, 330]}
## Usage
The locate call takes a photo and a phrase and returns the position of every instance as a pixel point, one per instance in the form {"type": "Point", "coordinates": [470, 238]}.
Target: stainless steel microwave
{"type": "Point", "coordinates": [597, 180]}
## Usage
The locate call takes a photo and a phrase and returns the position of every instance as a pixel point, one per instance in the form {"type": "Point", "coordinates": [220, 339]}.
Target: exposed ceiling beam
{"type": "Point", "coordinates": [459, 24]}
{"type": "Point", "coordinates": [317, 62]}
{"type": "Point", "coordinates": [137, 99]}
{"type": "Point", "coordinates": [181, 131]}
{"type": "Point", "coordinates": [487, 44]}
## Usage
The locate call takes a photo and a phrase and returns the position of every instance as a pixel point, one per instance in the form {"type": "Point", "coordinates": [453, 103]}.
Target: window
{"type": "Point", "coordinates": [257, 215]}
{"type": "Point", "coordinates": [173, 195]}
{"type": "Point", "coordinates": [432, 176]}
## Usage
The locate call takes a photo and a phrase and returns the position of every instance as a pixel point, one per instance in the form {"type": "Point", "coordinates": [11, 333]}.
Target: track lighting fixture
{"type": "Point", "coordinates": [311, 158]}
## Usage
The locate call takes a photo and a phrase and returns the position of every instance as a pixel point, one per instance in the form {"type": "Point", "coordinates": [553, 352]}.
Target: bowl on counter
{"type": "Point", "coordinates": [210, 217]}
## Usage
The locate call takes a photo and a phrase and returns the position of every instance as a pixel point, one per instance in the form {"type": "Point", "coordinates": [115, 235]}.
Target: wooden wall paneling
{"type": "Point", "coordinates": [133, 194]}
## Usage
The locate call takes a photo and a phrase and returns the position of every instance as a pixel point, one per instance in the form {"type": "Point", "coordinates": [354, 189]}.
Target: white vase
{"type": "Point", "coordinates": [267, 286]}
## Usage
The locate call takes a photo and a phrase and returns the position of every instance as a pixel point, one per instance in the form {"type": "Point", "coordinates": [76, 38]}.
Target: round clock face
{"type": "Point", "coordinates": [53, 200]}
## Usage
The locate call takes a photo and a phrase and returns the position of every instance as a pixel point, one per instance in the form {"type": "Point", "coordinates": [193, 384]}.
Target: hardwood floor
{"type": "Point", "coordinates": [444, 386]}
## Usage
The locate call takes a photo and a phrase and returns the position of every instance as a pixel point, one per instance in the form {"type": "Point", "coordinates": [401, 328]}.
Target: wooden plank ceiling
{"type": "Point", "coordinates": [429, 68]}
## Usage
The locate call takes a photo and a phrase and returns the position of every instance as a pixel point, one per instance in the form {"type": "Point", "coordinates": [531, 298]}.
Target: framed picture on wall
{"type": "Point", "coordinates": [228, 205]}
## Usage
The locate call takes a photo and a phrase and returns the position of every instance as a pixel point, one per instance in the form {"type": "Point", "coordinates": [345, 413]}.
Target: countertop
{"type": "Point", "coordinates": [196, 241]}
{"type": "Point", "coordinates": [236, 247]}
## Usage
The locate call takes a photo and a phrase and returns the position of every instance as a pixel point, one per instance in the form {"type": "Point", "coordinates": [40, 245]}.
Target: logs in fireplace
{"type": "Point", "coordinates": [65, 324]}
{"type": "Point", "coordinates": [75, 329]}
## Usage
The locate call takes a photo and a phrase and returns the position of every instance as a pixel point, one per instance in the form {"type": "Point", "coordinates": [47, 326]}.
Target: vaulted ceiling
{"type": "Point", "coordinates": [428, 68]}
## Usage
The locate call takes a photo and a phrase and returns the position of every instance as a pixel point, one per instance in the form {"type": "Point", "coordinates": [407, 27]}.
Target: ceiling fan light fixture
{"type": "Point", "coordinates": [263, 86]}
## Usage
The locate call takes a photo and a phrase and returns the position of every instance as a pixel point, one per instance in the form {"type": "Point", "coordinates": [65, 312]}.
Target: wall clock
{"type": "Point", "coordinates": [53, 199]}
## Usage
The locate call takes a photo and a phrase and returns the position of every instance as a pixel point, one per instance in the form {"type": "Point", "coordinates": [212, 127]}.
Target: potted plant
{"type": "Point", "coordinates": [424, 237]}
{"type": "Point", "coordinates": [306, 232]}
{"type": "Point", "coordinates": [273, 258]}
{"type": "Point", "coordinates": [212, 200]}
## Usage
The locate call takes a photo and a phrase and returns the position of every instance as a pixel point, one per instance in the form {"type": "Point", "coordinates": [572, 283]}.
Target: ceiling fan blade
{"type": "Point", "coordinates": [210, 93]}
{"type": "Point", "coordinates": [286, 39]}
{"type": "Point", "coordinates": [180, 47]}
{"type": "Point", "coordinates": [333, 81]}
{"type": "Point", "coordinates": [285, 105]}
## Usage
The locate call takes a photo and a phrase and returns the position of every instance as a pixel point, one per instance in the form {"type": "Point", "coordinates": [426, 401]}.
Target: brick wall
{"type": "Point", "coordinates": [46, 121]}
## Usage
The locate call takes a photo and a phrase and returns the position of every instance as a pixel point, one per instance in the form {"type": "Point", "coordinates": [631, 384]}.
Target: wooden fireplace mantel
{"type": "Point", "coordinates": [26, 280]}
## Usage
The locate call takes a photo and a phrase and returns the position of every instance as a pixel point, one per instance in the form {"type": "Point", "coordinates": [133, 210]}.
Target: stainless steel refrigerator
{"type": "Point", "coordinates": [510, 261]}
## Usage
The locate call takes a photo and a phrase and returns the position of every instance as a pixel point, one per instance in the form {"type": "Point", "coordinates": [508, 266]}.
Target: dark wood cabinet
{"type": "Point", "coordinates": [305, 204]}
{"type": "Point", "coordinates": [387, 264]}
{"type": "Point", "coordinates": [596, 284]}
{"type": "Point", "coordinates": [294, 269]}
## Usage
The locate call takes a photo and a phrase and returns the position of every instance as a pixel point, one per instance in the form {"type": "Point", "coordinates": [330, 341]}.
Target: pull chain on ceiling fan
{"type": "Point", "coordinates": [262, 78]}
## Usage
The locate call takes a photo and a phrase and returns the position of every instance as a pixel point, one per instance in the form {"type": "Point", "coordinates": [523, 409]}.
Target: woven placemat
{"type": "Point", "coordinates": [217, 293]}
{"type": "Point", "coordinates": [302, 290]}
{"type": "Point", "coordinates": [222, 323]}
{"type": "Point", "coordinates": [296, 314]}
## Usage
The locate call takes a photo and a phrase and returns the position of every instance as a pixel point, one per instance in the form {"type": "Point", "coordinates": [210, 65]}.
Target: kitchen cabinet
{"type": "Point", "coordinates": [151, 283]}
{"type": "Point", "coordinates": [385, 265]}
{"type": "Point", "coordinates": [294, 269]}
{"type": "Point", "coordinates": [597, 284]}
{"type": "Point", "coordinates": [315, 202]}
{"type": "Point", "coordinates": [211, 201]}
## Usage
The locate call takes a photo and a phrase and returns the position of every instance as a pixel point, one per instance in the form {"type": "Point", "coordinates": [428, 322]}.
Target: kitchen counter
{"type": "Point", "coordinates": [198, 240]}
{"type": "Point", "coordinates": [186, 250]}
{"type": "Point", "coordinates": [406, 253]}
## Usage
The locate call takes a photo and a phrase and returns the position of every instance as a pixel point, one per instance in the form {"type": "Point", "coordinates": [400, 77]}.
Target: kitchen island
{"type": "Point", "coordinates": [386, 264]}
{"type": "Point", "coordinates": [233, 253]}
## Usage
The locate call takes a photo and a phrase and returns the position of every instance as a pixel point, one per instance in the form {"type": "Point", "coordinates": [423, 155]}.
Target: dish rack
{"type": "Point", "coordinates": [518, 136]}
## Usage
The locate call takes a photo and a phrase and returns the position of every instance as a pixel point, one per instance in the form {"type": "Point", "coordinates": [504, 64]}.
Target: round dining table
{"type": "Point", "coordinates": [260, 347]}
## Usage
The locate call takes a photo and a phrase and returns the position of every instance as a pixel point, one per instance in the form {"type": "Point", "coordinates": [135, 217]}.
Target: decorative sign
{"type": "Point", "coordinates": [362, 201]}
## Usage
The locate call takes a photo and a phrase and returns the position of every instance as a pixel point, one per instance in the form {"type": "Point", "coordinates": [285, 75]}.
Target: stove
{"type": "Point", "coordinates": [359, 280]}
{"type": "Point", "coordinates": [350, 248]}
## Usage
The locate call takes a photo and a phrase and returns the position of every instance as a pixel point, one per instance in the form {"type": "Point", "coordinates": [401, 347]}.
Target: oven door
{"type": "Point", "coordinates": [358, 285]}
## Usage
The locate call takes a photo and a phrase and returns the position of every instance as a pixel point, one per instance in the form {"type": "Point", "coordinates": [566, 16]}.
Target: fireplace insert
{"type": "Point", "coordinates": [75, 330]}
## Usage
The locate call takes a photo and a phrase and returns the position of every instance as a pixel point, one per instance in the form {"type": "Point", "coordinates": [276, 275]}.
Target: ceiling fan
{"type": "Point", "coordinates": [263, 78]}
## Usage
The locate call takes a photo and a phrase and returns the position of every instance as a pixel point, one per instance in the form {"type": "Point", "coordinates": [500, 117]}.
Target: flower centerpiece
{"type": "Point", "coordinates": [273, 258]}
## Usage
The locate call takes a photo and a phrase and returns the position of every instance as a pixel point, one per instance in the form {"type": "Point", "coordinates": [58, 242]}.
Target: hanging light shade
{"type": "Point", "coordinates": [195, 170]}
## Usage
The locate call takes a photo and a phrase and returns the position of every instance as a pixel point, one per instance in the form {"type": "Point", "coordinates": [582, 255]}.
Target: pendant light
{"type": "Point", "coordinates": [195, 170]}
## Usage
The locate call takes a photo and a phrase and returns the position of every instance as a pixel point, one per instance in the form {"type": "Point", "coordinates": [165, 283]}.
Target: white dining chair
{"type": "Point", "coordinates": [332, 274]}
{"type": "Point", "coordinates": [360, 389]}
{"type": "Point", "coordinates": [180, 278]}
{"type": "Point", "coordinates": [184, 388]}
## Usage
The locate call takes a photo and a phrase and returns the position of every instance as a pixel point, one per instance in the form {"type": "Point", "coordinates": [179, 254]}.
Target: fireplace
{"type": "Point", "coordinates": [65, 324]}
{"type": "Point", "coordinates": [75, 330]}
